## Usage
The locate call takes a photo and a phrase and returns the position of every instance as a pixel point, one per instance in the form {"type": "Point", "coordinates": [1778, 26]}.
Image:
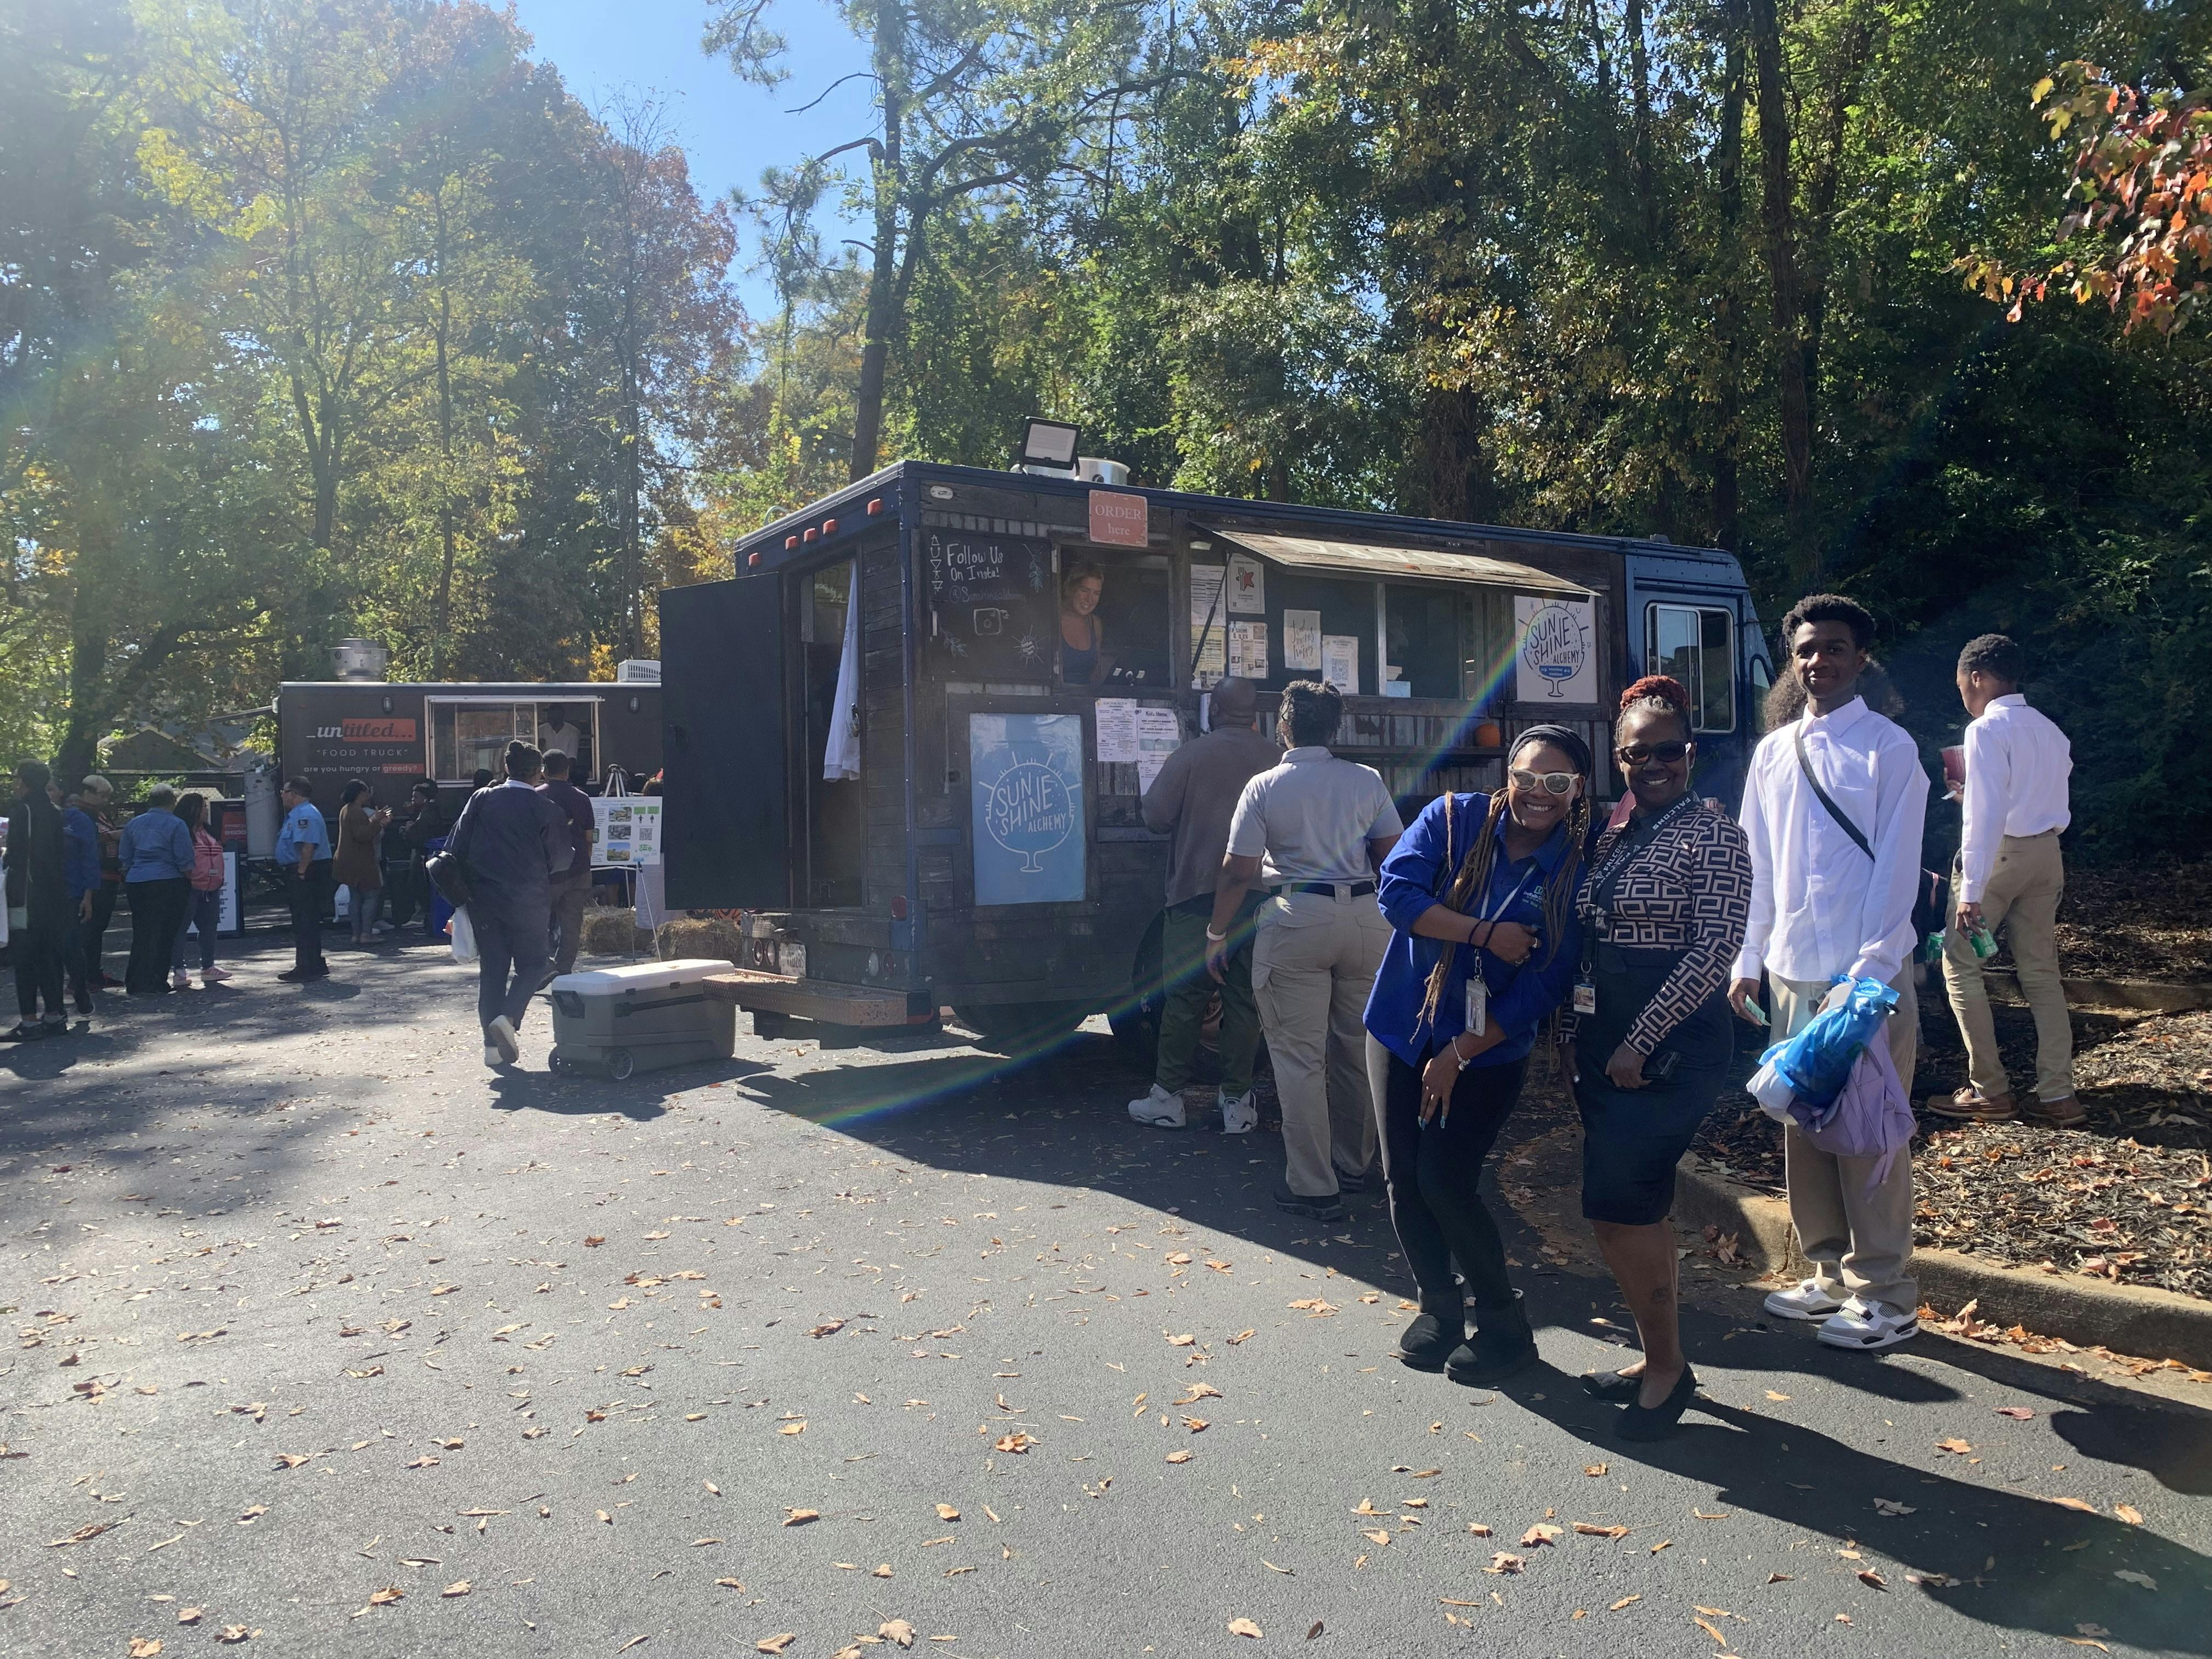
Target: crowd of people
{"type": "Point", "coordinates": [1405, 977]}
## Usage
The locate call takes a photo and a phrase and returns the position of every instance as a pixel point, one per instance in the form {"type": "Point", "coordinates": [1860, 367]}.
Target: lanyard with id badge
{"type": "Point", "coordinates": [1478, 993]}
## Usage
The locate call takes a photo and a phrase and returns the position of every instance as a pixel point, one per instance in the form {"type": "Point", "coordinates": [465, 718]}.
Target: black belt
{"type": "Point", "coordinates": [1326, 888]}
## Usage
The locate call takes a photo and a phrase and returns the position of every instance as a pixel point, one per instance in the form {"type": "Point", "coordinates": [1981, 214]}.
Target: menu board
{"type": "Point", "coordinates": [995, 609]}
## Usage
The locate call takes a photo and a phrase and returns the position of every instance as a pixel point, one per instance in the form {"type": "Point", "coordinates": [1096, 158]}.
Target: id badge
{"type": "Point", "coordinates": [1478, 1006]}
{"type": "Point", "coordinates": [1585, 997]}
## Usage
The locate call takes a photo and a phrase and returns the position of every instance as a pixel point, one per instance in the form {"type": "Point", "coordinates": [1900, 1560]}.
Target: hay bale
{"type": "Point", "coordinates": [609, 932]}
{"type": "Point", "coordinates": [698, 937]}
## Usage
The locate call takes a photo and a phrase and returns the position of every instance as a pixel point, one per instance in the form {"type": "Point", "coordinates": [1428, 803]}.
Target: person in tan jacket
{"type": "Point", "coordinates": [353, 862]}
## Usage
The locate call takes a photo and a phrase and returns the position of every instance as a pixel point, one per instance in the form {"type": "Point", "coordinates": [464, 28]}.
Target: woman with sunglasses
{"type": "Point", "coordinates": [1663, 917]}
{"type": "Point", "coordinates": [1480, 895]}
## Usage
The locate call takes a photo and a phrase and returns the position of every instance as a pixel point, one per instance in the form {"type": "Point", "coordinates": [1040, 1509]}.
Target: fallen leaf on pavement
{"type": "Point", "coordinates": [1779, 1399]}
{"type": "Point", "coordinates": [1240, 1339]}
{"type": "Point", "coordinates": [1181, 1341]}
{"type": "Point", "coordinates": [386, 1596]}
{"type": "Point", "coordinates": [1366, 1506]}
{"type": "Point", "coordinates": [233, 1633]}
{"type": "Point", "coordinates": [2086, 1507]}
{"type": "Point", "coordinates": [828, 1328]}
{"type": "Point", "coordinates": [1932, 1580]}
{"type": "Point", "coordinates": [1272, 1567]}
{"type": "Point", "coordinates": [793, 1428]}
{"type": "Point", "coordinates": [1315, 1631]}
{"type": "Point", "coordinates": [2129, 1575]}
{"type": "Point", "coordinates": [1501, 1562]}
{"type": "Point", "coordinates": [1178, 1457]}
{"type": "Point", "coordinates": [775, 1644]}
{"type": "Point", "coordinates": [595, 1240]}
{"type": "Point", "coordinates": [185, 1615]}
{"type": "Point", "coordinates": [1778, 1578]}
{"type": "Point", "coordinates": [1891, 1506]}
{"type": "Point", "coordinates": [799, 1518]}
{"type": "Point", "coordinates": [1955, 1446]}
{"type": "Point", "coordinates": [1624, 1602]}
{"type": "Point", "coordinates": [1539, 1533]}
{"type": "Point", "coordinates": [1712, 1631]}
{"type": "Point", "coordinates": [1245, 1627]}
{"type": "Point", "coordinates": [1868, 1576]}
{"type": "Point", "coordinates": [1017, 1443]}
{"type": "Point", "coordinates": [1377, 1538]}
{"type": "Point", "coordinates": [459, 1587]}
{"type": "Point", "coordinates": [946, 1512]}
{"type": "Point", "coordinates": [1589, 1531]}
{"type": "Point", "coordinates": [2020, 1413]}
{"type": "Point", "coordinates": [1593, 1468]}
{"type": "Point", "coordinates": [896, 1630]}
{"type": "Point", "coordinates": [1718, 1515]}
{"type": "Point", "coordinates": [2128, 1513]}
{"type": "Point", "coordinates": [1479, 1528]}
{"type": "Point", "coordinates": [293, 1459]}
{"type": "Point", "coordinates": [145, 1647]}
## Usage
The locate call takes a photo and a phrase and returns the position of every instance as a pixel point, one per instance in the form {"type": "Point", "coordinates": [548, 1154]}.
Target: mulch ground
{"type": "Point", "coordinates": [2128, 1196]}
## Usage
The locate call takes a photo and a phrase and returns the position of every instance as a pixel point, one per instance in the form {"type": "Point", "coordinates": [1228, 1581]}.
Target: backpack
{"type": "Point", "coordinates": [207, 862]}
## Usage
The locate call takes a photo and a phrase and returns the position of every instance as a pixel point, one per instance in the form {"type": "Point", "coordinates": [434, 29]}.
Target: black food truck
{"type": "Point", "coordinates": [391, 735]}
{"type": "Point", "coordinates": [990, 855]}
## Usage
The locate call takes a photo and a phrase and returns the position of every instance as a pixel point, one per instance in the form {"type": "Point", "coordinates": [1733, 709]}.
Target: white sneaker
{"type": "Point", "coordinates": [500, 1035]}
{"type": "Point", "coordinates": [493, 1058]}
{"type": "Point", "coordinates": [1803, 1300]}
{"type": "Point", "coordinates": [1159, 1109]}
{"type": "Point", "coordinates": [181, 980]}
{"type": "Point", "coordinates": [1240, 1115]}
{"type": "Point", "coordinates": [1868, 1325]}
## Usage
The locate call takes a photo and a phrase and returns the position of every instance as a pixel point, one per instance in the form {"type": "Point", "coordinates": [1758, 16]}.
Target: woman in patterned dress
{"type": "Point", "coordinates": [1662, 917]}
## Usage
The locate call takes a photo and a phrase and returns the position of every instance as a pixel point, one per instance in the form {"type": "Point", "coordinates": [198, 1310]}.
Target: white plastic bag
{"type": "Point", "coordinates": [464, 935]}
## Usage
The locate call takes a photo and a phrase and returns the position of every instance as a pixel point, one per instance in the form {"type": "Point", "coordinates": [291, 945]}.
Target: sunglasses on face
{"type": "Point", "coordinates": [1552, 783]}
{"type": "Point", "coordinates": [1636, 754]}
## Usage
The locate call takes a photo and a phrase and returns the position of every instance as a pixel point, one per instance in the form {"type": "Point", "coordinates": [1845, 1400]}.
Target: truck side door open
{"type": "Point", "coordinates": [727, 840]}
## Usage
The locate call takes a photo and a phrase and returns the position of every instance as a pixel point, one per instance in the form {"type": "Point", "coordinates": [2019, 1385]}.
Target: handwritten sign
{"type": "Point", "coordinates": [1302, 640]}
{"type": "Point", "coordinates": [1556, 660]}
{"type": "Point", "coordinates": [1118, 519]}
{"type": "Point", "coordinates": [1031, 835]}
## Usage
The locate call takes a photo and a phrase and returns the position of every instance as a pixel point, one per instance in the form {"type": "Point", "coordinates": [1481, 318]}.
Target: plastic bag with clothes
{"type": "Point", "coordinates": [1811, 1068]}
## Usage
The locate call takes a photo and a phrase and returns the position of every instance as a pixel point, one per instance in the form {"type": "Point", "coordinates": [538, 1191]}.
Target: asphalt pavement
{"type": "Point", "coordinates": [331, 1342]}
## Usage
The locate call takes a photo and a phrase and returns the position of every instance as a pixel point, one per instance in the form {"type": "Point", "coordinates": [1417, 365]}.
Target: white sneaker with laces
{"type": "Point", "coordinates": [1240, 1114]}
{"type": "Point", "coordinates": [179, 980]}
{"type": "Point", "coordinates": [1159, 1109]}
{"type": "Point", "coordinates": [1867, 1326]}
{"type": "Point", "coordinates": [493, 1058]}
{"type": "Point", "coordinates": [500, 1035]}
{"type": "Point", "coordinates": [1803, 1300]}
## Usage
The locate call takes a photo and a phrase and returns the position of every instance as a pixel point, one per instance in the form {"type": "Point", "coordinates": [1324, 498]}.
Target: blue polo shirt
{"type": "Point", "coordinates": [303, 827]}
{"type": "Point", "coordinates": [1418, 868]}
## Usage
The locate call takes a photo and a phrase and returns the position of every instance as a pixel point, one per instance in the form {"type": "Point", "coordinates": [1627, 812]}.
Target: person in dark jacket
{"type": "Point", "coordinates": [98, 797]}
{"type": "Point", "coordinates": [156, 850]}
{"type": "Point", "coordinates": [81, 872]}
{"type": "Point", "coordinates": [511, 843]}
{"type": "Point", "coordinates": [37, 882]}
{"type": "Point", "coordinates": [573, 887]}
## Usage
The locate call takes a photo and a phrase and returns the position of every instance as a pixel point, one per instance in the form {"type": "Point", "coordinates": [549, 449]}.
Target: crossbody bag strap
{"type": "Point", "coordinates": [1805, 765]}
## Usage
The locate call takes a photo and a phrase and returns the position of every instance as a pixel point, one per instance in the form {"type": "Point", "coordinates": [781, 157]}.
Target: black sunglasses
{"type": "Point", "coordinates": [1636, 754]}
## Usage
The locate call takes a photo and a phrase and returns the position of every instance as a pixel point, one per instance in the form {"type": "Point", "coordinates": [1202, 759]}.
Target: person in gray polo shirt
{"type": "Point", "coordinates": [1312, 831]}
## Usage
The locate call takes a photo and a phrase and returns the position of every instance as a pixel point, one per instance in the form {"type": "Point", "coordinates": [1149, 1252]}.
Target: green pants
{"type": "Point", "coordinates": [1190, 987]}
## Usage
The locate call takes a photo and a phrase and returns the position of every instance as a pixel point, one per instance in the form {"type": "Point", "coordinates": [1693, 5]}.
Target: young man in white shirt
{"type": "Point", "coordinates": [2010, 875]}
{"type": "Point", "coordinates": [1831, 811]}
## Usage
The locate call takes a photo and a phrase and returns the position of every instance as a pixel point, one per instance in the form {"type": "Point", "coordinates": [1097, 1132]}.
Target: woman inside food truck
{"type": "Point", "coordinates": [1081, 633]}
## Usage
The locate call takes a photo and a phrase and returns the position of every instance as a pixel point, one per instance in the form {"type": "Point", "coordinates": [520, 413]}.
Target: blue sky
{"type": "Point", "coordinates": [611, 48]}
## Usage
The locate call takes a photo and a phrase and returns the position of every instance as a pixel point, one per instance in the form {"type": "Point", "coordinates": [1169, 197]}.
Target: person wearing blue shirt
{"type": "Point", "coordinates": [80, 871]}
{"type": "Point", "coordinates": [303, 860]}
{"type": "Point", "coordinates": [1480, 894]}
{"type": "Point", "coordinates": [156, 852]}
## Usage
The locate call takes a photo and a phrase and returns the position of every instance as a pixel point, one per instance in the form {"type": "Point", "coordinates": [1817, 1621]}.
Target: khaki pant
{"type": "Point", "coordinates": [2021, 896]}
{"type": "Point", "coordinates": [1313, 964]}
{"type": "Point", "coordinates": [1858, 1236]}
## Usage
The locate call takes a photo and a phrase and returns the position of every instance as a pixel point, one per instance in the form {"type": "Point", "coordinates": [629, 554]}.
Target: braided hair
{"type": "Point", "coordinates": [1655, 693]}
{"type": "Point", "coordinates": [1474, 876]}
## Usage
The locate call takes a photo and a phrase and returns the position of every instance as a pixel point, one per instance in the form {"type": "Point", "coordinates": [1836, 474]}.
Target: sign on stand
{"type": "Point", "coordinates": [625, 831]}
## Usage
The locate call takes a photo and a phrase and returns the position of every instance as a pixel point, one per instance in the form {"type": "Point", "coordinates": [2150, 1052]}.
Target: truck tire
{"type": "Point", "coordinates": [1022, 1027]}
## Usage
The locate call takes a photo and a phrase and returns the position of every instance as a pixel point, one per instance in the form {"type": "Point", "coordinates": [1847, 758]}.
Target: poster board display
{"type": "Point", "coordinates": [1031, 834]}
{"type": "Point", "coordinates": [1555, 657]}
{"type": "Point", "coordinates": [625, 831]}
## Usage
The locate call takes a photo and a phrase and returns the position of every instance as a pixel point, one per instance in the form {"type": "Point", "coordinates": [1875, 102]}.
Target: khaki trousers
{"type": "Point", "coordinates": [1313, 964]}
{"type": "Point", "coordinates": [1858, 1236]}
{"type": "Point", "coordinates": [2022, 897]}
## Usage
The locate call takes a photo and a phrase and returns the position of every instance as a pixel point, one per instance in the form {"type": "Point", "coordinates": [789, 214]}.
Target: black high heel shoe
{"type": "Point", "coordinates": [1657, 1422]}
{"type": "Point", "coordinates": [1612, 1386]}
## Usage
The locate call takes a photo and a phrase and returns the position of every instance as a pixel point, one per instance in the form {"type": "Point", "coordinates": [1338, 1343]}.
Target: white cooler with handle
{"type": "Point", "coordinates": [640, 1018]}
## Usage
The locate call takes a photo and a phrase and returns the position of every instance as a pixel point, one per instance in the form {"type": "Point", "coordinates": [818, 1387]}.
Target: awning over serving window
{"type": "Point", "coordinates": [1379, 562]}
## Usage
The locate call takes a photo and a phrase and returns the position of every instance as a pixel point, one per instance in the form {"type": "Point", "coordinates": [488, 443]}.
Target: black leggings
{"type": "Point", "coordinates": [1434, 1175]}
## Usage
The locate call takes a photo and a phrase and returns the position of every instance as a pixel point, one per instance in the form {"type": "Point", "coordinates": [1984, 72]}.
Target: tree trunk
{"type": "Point", "coordinates": [882, 277]}
{"type": "Point", "coordinates": [1821, 186]}
{"type": "Point", "coordinates": [1639, 77]}
{"type": "Point", "coordinates": [441, 641]}
{"type": "Point", "coordinates": [1793, 400]}
{"type": "Point", "coordinates": [1728, 177]}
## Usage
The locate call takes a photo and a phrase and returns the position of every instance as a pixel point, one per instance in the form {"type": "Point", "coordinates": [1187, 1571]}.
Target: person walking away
{"type": "Point", "coordinates": [2009, 874]}
{"type": "Point", "coordinates": [1312, 829]}
{"type": "Point", "coordinates": [1663, 917]}
{"type": "Point", "coordinates": [98, 795]}
{"type": "Point", "coordinates": [37, 884]}
{"type": "Point", "coordinates": [353, 862]}
{"type": "Point", "coordinates": [156, 850]}
{"type": "Point", "coordinates": [1832, 817]}
{"type": "Point", "coordinates": [572, 888]}
{"type": "Point", "coordinates": [1480, 898]}
{"type": "Point", "coordinates": [303, 858]}
{"type": "Point", "coordinates": [511, 843]}
{"type": "Point", "coordinates": [80, 873]}
{"type": "Point", "coordinates": [203, 904]}
{"type": "Point", "coordinates": [1191, 802]}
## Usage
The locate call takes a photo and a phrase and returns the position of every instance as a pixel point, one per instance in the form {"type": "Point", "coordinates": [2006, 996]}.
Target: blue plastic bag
{"type": "Point", "coordinates": [1817, 1062]}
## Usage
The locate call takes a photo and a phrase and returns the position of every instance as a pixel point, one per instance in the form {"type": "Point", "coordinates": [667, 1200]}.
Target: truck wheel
{"type": "Point", "coordinates": [619, 1064]}
{"type": "Point", "coordinates": [1022, 1027]}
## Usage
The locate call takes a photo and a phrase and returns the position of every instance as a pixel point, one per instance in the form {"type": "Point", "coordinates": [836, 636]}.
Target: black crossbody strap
{"type": "Point", "coordinates": [1805, 765]}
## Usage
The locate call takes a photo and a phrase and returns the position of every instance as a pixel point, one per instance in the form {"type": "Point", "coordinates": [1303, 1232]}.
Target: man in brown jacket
{"type": "Point", "coordinates": [1191, 801]}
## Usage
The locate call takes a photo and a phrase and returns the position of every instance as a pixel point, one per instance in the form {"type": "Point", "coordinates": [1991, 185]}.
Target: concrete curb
{"type": "Point", "coordinates": [2158, 996]}
{"type": "Point", "coordinates": [2126, 1318]}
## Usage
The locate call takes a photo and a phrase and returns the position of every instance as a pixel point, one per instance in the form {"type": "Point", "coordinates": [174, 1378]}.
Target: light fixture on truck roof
{"type": "Point", "coordinates": [1047, 446]}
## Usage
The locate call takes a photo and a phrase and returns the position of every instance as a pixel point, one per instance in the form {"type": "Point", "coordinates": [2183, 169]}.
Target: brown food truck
{"type": "Point", "coordinates": [986, 851]}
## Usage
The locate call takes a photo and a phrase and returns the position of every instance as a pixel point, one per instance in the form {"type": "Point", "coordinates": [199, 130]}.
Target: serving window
{"type": "Point", "coordinates": [470, 735]}
{"type": "Point", "coordinates": [1113, 630]}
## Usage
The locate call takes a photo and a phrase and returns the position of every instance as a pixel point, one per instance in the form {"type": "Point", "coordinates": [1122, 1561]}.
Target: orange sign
{"type": "Point", "coordinates": [1118, 519]}
{"type": "Point", "coordinates": [388, 729]}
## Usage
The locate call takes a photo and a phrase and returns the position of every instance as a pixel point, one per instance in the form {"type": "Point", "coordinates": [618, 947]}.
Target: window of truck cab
{"type": "Point", "coordinates": [1695, 644]}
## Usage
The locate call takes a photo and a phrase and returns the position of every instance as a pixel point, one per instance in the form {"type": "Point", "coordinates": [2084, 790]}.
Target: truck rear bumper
{"type": "Point", "coordinates": [822, 999]}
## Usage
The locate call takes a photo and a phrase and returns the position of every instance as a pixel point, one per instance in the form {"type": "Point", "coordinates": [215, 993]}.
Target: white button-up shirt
{"type": "Point", "coordinates": [1819, 907]}
{"type": "Point", "coordinates": [2017, 764]}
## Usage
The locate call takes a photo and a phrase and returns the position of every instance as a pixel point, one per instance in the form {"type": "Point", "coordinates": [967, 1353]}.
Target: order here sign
{"type": "Point", "coordinates": [1118, 519]}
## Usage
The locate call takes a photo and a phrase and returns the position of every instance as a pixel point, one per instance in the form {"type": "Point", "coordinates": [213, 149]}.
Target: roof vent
{"type": "Point", "coordinates": [360, 659]}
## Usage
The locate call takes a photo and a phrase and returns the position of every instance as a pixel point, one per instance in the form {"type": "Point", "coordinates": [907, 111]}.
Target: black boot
{"type": "Point", "coordinates": [1430, 1339]}
{"type": "Point", "coordinates": [1502, 1345]}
